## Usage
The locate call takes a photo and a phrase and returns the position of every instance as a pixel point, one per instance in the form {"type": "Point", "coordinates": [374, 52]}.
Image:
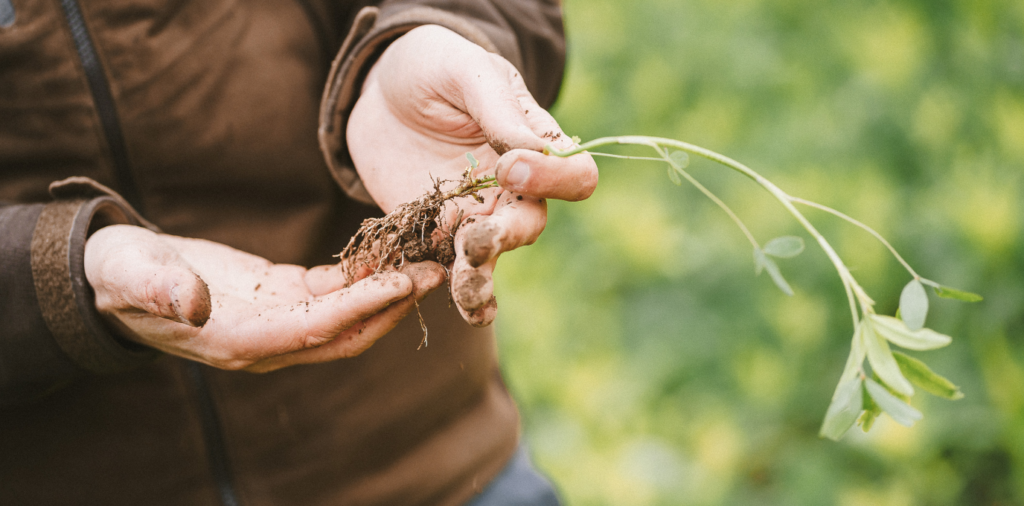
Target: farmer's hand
{"type": "Point", "coordinates": [432, 97]}
{"type": "Point", "coordinates": [214, 304]}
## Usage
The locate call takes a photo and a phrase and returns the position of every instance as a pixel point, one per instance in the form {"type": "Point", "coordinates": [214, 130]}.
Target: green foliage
{"type": "Point", "coordinates": [881, 359]}
{"type": "Point", "coordinates": [901, 412]}
{"type": "Point", "coordinates": [914, 305]}
{"type": "Point", "coordinates": [784, 247]}
{"type": "Point", "coordinates": [651, 368]}
{"type": "Point", "coordinates": [952, 293]}
{"type": "Point", "coordinates": [919, 374]}
{"type": "Point", "coordinates": [897, 332]}
{"type": "Point", "coordinates": [845, 409]}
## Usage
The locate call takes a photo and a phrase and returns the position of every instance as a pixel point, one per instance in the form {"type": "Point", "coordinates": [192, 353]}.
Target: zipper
{"type": "Point", "coordinates": [103, 99]}
{"type": "Point", "coordinates": [212, 434]}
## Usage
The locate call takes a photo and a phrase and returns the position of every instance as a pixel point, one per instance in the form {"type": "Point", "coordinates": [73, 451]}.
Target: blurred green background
{"type": "Point", "coordinates": [652, 367]}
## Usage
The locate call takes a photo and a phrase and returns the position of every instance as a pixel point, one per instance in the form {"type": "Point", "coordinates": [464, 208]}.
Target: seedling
{"type": "Point", "coordinates": [859, 397]}
{"type": "Point", "coordinates": [416, 232]}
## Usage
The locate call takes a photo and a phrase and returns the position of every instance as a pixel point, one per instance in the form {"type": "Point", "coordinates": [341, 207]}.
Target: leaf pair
{"type": "Point", "coordinates": [780, 247]}
{"type": "Point", "coordinates": [914, 301]}
{"type": "Point", "coordinates": [677, 162]}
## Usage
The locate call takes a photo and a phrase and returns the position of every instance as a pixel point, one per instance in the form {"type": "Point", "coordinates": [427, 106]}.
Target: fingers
{"type": "Point", "coordinates": [130, 268]}
{"type": "Point", "coordinates": [170, 292]}
{"type": "Point", "coordinates": [473, 292]}
{"type": "Point", "coordinates": [516, 222]}
{"type": "Point", "coordinates": [337, 311]}
{"type": "Point", "coordinates": [188, 294]}
{"type": "Point", "coordinates": [491, 91]}
{"type": "Point", "coordinates": [545, 176]}
{"type": "Point", "coordinates": [324, 279]}
{"type": "Point", "coordinates": [518, 129]}
{"type": "Point", "coordinates": [425, 278]}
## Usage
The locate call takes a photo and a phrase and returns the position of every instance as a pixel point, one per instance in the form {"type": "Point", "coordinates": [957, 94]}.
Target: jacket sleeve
{"type": "Point", "coordinates": [528, 33]}
{"type": "Point", "coordinates": [50, 332]}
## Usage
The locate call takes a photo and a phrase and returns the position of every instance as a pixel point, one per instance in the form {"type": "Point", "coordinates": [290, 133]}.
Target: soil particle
{"type": "Point", "coordinates": [445, 251]}
{"type": "Point", "coordinates": [499, 146]}
{"type": "Point", "coordinates": [552, 135]}
{"type": "Point", "coordinates": [415, 249]}
{"type": "Point", "coordinates": [519, 197]}
{"type": "Point", "coordinates": [258, 285]}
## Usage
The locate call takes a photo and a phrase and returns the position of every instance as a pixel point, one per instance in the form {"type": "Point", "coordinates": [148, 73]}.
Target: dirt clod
{"type": "Point", "coordinates": [414, 231]}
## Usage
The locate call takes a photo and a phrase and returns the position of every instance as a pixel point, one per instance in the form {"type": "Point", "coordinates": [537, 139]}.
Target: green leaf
{"type": "Point", "coordinates": [896, 331]}
{"type": "Point", "coordinates": [762, 262]}
{"type": "Point", "coordinates": [855, 359]}
{"type": "Point", "coordinates": [679, 160]}
{"type": "Point", "coordinates": [901, 412]}
{"type": "Point", "coordinates": [674, 176]}
{"type": "Point", "coordinates": [784, 247]}
{"type": "Point", "coordinates": [881, 359]}
{"type": "Point", "coordinates": [952, 293]}
{"type": "Point", "coordinates": [914, 305]}
{"type": "Point", "coordinates": [472, 160]}
{"type": "Point", "coordinates": [870, 414]}
{"type": "Point", "coordinates": [847, 402]}
{"type": "Point", "coordinates": [921, 375]}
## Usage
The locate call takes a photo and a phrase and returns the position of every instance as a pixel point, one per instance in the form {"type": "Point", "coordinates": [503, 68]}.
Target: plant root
{"type": "Point", "coordinates": [415, 231]}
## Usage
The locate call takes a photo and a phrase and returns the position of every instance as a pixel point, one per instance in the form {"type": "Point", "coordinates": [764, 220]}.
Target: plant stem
{"type": "Point", "coordinates": [861, 225]}
{"type": "Point", "coordinates": [854, 292]}
{"type": "Point", "coordinates": [714, 198]}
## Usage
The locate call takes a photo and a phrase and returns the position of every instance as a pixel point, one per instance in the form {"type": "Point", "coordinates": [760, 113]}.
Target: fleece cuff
{"type": "Point", "coordinates": [65, 298]}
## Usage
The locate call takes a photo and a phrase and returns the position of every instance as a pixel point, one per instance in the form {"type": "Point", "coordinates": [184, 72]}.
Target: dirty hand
{"type": "Point", "coordinates": [434, 96]}
{"type": "Point", "coordinates": [214, 304]}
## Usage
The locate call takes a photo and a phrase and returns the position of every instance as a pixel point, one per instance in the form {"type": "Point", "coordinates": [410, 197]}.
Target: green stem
{"type": "Point", "coordinates": [863, 226]}
{"type": "Point", "coordinates": [854, 293]}
{"type": "Point", "coordinates": [714, 198]}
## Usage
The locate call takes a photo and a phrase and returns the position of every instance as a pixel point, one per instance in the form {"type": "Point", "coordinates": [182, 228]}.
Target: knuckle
{"type": "Point", "coordinates": [231, 364]}
{"type": "Point", "coordinates": [314, 340]}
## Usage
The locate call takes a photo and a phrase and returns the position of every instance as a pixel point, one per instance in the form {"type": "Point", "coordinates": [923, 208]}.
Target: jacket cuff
{"type": "Point", "coordinates": [372, 31]}
{"type": "Point", "coordinates": [65, 298]}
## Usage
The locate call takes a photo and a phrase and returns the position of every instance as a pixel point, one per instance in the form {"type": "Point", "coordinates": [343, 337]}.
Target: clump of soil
{"type": "Point", "coordinates": [415, 231]}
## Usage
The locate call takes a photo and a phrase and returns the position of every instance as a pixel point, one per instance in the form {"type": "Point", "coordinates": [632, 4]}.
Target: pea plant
{"type": "Point", "coordinates": [863, 393]}
{"type": "Point", "coordinates": [415, 231]}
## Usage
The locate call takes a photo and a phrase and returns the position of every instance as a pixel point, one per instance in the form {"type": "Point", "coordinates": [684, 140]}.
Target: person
{"type": "Point", "coordinates": [169, 171]}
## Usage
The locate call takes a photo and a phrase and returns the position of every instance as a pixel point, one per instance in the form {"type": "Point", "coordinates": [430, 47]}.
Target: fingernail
{"type": "Point", "coordinates": [176, 307]}
{"type": "Point", "coordinates": [518, 174]}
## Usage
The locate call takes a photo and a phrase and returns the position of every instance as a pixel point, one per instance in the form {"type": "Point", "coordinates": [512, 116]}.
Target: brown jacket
{"type": "Point", "coordinates": [203, 115]}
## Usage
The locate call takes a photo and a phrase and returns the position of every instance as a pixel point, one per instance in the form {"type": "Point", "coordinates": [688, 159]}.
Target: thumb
{"type": "Point", "coordinates": [492, 97]}
{"type": "Point", "coordinates": [130, 268]}
{"type": "Point", "coordinates": [174, 293]}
